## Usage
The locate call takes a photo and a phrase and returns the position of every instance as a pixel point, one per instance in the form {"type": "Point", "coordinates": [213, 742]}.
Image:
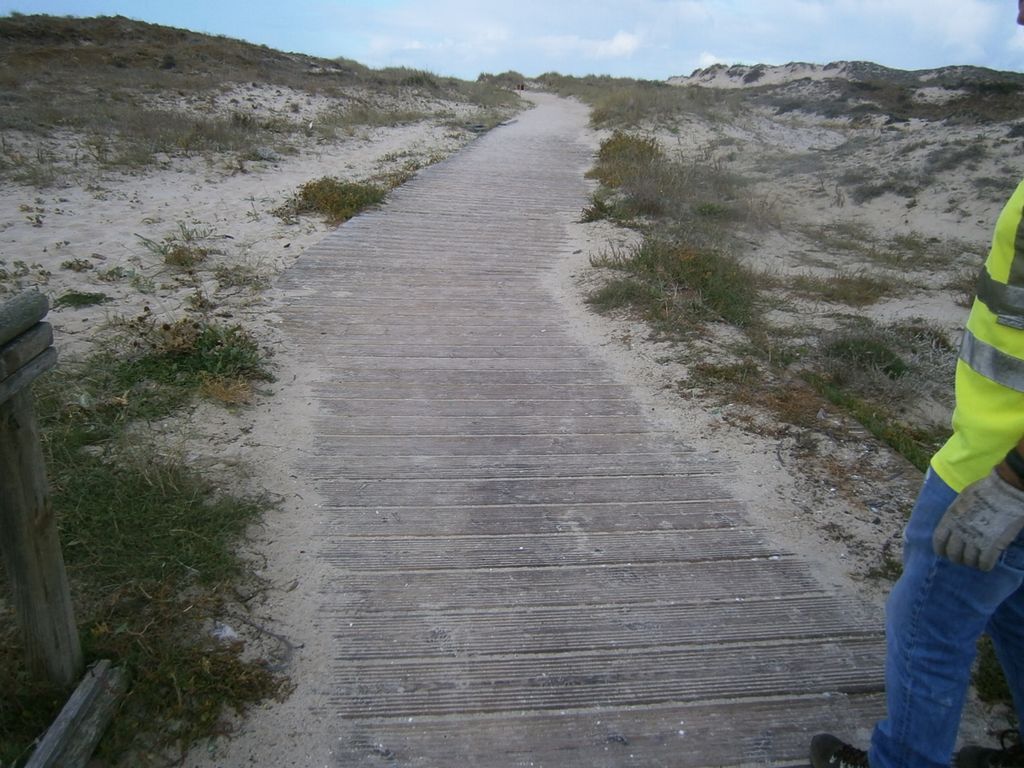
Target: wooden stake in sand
{"type": "Point", "coordinates": [28, 530]}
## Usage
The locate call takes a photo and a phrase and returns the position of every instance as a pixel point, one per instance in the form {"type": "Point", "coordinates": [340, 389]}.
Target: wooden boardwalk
{"type": "Point", "coordinates": [526, 571]}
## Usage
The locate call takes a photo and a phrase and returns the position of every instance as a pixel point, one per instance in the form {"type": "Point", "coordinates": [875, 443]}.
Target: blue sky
{"type": "Point", "coordinates": [638, 38]}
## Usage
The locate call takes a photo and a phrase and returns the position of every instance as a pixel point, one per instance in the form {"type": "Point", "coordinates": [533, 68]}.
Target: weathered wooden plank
{"type": "Point", "coordinates": [511, 445]}
{"type": "Point", "coordinates": [500, 631]}
{"type": "Point", "coordinates": [409, 688]}
{"type": "Point", "coordinates": [404, 390]}
{"type": "Point", "coordinates": [26, 374]}
{"type": "Point", "coordinates": [462, 589]}
{"type": "Point", "coordinates": [332, 372]}
{"type": "Point", "coordinates": [719, 733]}
{"type": "Point", "coordinates": [468, 364]}
{"type": "Point", "coordinates": [70, 741]}
{"type": "Point", "coordinates": [20, 313]}
{"type": "Point", "coordinates": [349, 329]}
{"type": "Point", "coordinates": [370, 467]}
{"type": "Point", "coordinates": [522, 491]}
{"type": "Point", "coordinates": [402, 552]}
{"type": "Point", "coordinates": [443, 295]}
{"type": "Point", "coordinates": [384, 424]}
{"type": "Point", "coordinates": [339, 349]}
{"type": "Point", "coordinates": [446, 311]}
{"type": "Point", "coordinates": [537, 518]}
{"type": "Point", "coordinates": [23, 348]}
{"type": "Point", "coordinates": [430, 408]}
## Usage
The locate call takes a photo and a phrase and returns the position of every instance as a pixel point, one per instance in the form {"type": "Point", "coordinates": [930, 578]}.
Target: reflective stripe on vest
{"type": "Point", "coordinates": [1006, 302]}
{"type": "Point", "coordinates": [992, 363]}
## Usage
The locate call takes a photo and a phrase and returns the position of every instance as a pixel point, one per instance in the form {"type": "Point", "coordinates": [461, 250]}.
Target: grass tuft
{"type": "Point", "coordinates": [743, 373]}
{"type": "Point", "coordinates": [620, 293]}
{"type": "Point", "coordinates": [598, 210]}
{"type": "Point", "coordinates": [170, 363]}
{"type": "Point", "coordinates": [915, 444]}
{"type": "Point", "coordinates": [183, 248]}
{"type": "Point", "coordinates": [866, 351]}
{"type": "Point", "coordinates": [75, 299]}
{"type": "Point", "coordinates": [856, 290]}
{"type": "Point", "coordinates": [333, 198]}
{"type": "Point", "coordinates": [685, 286]}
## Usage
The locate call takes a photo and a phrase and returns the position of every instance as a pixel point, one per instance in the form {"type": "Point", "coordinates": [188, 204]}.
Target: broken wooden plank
{"type": "Point", "coordinates": [72, 738]}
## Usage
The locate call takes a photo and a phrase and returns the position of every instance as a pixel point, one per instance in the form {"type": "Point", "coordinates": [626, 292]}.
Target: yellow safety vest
{"type": "Point", "coordinates": [989, 414]}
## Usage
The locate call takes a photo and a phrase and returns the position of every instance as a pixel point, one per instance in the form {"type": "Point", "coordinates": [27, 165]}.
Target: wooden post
{"type": "Point", "coordinates": [28, 531]}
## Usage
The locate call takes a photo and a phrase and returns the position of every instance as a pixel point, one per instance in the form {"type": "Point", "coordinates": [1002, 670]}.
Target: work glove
{"type": "Point", "coordinates": [980, 524]}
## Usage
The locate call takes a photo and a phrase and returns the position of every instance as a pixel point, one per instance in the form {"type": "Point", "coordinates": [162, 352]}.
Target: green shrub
{"type": "Point", "coordinates": [335, 199]}
{"type": "Point", "coordinates": [684, 285]}
{"type": "Point", "coordinates": [624, 156]}
{"type": "Point", "coordinates": [695, 195]}
{"type": "Point", "coordinates": [722, 287]}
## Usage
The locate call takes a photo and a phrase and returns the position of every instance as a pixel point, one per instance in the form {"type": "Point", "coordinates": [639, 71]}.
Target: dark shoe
{"type": "Point", "coordinates": [829, 752]}
{"type": "Point", "coordinates": [1011, 756]}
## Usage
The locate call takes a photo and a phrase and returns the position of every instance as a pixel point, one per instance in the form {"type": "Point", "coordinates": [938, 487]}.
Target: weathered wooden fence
{"type": "Point", "coordinates": [28, 530]}
{"type": "Point", "coordinates": [31, 550]}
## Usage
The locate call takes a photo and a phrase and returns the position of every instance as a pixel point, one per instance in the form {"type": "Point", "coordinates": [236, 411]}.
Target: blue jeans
{"type": "Point", "coordinates": [934, 617]}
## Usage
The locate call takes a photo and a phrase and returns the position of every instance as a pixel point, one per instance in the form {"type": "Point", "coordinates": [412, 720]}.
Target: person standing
{"type": "Point", "coordinates": [963, 559]}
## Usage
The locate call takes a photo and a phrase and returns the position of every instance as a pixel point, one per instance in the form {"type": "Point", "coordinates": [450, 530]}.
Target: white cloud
{"type": "Point", "coordinates": [1016, 40]}
{"type": "Point", "coordinates": [620, 45]}
{"type": "Point", "coordinates": [962, 27]}
{"type": "Point", "coordinates": [381, 44]}
{"type": "Point", "coordinates": [707, 59]}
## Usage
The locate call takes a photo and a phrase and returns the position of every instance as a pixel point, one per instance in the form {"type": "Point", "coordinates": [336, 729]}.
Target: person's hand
{"type": "Point", "coordinates": [980, 524]}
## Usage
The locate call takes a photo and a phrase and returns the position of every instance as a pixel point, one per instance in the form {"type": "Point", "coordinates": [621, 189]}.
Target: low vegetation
{"type": "Point", "coordinates": [629, 104]}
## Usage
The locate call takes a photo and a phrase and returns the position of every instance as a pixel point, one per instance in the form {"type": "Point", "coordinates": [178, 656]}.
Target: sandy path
{"type": "Point", "coordinates": [494, 553]}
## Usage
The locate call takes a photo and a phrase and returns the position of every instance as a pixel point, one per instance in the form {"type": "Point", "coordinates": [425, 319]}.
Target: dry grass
{"type": "Point", "coordinates": [229, 390]}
